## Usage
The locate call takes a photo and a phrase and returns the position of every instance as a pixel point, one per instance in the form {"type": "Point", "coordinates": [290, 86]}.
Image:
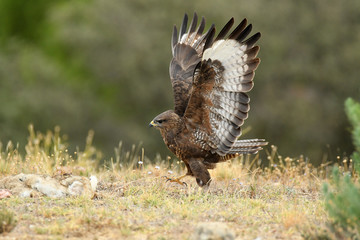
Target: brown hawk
{"type": "Point", "coordinates": [210, 78]}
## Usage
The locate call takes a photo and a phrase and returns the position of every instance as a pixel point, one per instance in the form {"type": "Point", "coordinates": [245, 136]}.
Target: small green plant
{"type": "Point", "coordinates": [352, 109]}
{"type": "Point", "coordinates": [7, 221]}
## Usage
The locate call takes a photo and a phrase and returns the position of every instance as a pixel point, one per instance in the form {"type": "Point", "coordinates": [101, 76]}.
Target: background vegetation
{"type": "Point", "coordinates": [103, 65]}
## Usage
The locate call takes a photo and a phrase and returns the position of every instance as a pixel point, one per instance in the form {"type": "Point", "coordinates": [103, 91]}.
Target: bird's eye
{"type": "Point", "coordinates": [160, 121]}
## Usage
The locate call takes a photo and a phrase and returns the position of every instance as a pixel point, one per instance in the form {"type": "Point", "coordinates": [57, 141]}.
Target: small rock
{"type": "Point", "coordinates": [93, 182]}
{"type": "Point", "coordinates": [212, 231]}
{"type": "Point", "coordinates": [4, 193]}
{"type": "Point", "coordinates": [76, 188]}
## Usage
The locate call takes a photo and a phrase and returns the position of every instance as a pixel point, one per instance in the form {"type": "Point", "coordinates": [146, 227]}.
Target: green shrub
{"type": "Point", "coordinates": [342, 202]}
{"type": "Point", "coordinates": [342, 197]}
{"type": "Point", "coordinates": [352, 109]}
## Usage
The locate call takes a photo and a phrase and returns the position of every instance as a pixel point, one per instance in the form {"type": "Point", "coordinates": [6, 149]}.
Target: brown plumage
{"type": "Point", "coordinates": [210, 78]}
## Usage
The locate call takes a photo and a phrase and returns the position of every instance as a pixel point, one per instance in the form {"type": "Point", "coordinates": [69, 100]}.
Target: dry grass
{"type": "Point", "coordinates": [134, 201]}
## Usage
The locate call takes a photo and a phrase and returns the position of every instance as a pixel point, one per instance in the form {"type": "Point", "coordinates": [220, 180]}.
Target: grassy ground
{"type": "Point", "coordinates": [281, 200]}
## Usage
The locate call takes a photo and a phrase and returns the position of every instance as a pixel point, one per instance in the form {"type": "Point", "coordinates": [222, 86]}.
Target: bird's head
{"type": "Point", "coordinates": [165, 120]}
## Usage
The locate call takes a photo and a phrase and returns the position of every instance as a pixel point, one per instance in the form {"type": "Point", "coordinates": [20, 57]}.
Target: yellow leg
{"type": "Point", "coordinates": [177, 180]}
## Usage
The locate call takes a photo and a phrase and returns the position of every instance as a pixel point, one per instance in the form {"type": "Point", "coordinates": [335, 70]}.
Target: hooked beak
{"type": "Point", "coordinates": [152, 124]}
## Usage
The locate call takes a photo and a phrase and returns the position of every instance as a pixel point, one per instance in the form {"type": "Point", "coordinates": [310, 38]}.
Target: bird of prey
{"type": "Point", "coordinates": [210, 77]}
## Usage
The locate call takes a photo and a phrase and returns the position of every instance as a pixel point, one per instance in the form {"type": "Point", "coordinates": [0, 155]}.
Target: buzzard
{"type": "Point", "coordinates": [210, 77]}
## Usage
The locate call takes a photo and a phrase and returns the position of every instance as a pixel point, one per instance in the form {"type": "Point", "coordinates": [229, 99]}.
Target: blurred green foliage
{"type": "Point", "coordinates": [103, 65]}
{"type": "Point", "coordinates": [342, 203]}
{"type": "Point", "coordinates": [352, 109]}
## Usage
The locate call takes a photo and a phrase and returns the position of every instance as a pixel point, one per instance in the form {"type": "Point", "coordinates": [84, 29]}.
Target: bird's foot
{"type": "Point", "coordinates": [176, 180]}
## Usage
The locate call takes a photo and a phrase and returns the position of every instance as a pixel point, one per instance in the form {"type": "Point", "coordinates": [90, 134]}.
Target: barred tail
{"type": "Point", "coordinates": [247, 146]}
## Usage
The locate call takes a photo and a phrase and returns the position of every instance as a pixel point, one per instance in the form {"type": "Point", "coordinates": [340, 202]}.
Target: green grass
{"type": "Point", "coordinates": [7, 220]}
{"type": "Point", "coordinates": [280, 200]}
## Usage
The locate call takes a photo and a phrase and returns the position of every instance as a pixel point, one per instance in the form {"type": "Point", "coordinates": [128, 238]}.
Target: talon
{"type": "Point", "coordinates": [167, 178]}
{"type": "Point", "coordinates": [177, 180]}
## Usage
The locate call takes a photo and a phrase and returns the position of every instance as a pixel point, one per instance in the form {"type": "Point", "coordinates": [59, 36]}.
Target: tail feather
{"type": "Point", "coordinates": [247, 146]}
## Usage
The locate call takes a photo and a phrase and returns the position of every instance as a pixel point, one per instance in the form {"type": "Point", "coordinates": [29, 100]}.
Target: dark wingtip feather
{"type": "Point", "coordinates": [210, 37]}
{"type": "Point", "coordinates": [201, 26]}
{"type": "Point", "coordinates": [238, 29]}
{"type": "Point", "coordinates": [174, 39]}
{"type": "Point", "coordinates": [252, 40]}
{"type": "Point", "coordinates": [225, 29]}
{"type": "Point", "coordinates": [253, 64]}
{"type": "Point", "coordinates": [252, 52]}
{"type": "Point", "coordinates": [244, 33]}
{"type": "Point", "coordinates": [193, 23]}
{"type": "Point", "coordinates": [183, 26]}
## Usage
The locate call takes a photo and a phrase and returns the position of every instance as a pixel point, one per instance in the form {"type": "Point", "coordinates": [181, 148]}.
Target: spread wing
{"type": "Point", "coordinates": [187, 50]}
{"type": "Point", "coordinates": [219, 104]}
